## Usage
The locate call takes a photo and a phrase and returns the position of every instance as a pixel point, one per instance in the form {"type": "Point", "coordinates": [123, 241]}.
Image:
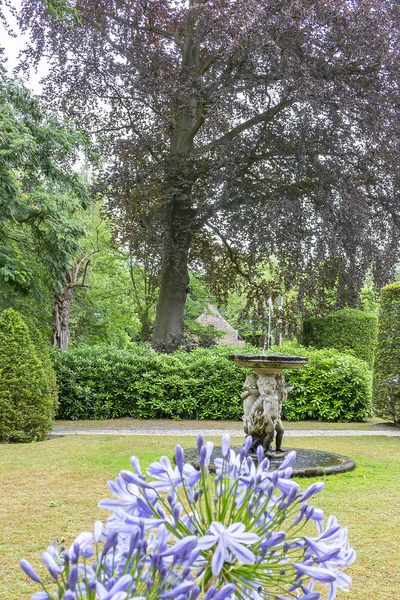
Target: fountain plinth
{"type": "Point", "coordinates": [264, 393]}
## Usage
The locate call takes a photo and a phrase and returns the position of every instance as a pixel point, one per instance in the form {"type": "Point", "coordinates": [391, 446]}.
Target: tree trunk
{"type": "Point", "coordinates": [61, 312]}
{"type": "Point", "coordinates": [174, 281]}
{"type": "Point", "coordinates": [180, 214]}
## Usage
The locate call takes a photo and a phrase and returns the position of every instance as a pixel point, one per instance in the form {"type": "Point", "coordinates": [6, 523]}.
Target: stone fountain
{"type": "Point", "coordinates": [264, 393]}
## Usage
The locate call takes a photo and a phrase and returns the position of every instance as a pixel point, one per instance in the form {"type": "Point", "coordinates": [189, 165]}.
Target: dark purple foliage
{"type": "Point", "coordinates": [275, 122]}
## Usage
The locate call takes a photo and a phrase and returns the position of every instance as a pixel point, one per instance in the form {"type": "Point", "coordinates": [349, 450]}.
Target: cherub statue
{"type": "Point", "coordinates": [283, 391]}
{"type": "Point", "coordinates": [249, 396]}
{"type": "Point", "coordinates": [269, 401]}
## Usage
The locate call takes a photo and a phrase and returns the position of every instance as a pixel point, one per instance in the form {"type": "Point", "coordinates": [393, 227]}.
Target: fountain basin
{"type": "Point", "coordinates": [268, 364]}
{"type": "Point", "coordinates": [308, 463]}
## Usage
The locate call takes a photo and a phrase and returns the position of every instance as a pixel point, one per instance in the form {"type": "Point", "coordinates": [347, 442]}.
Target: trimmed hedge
{"type": "Point", "coordinates": [102, 382]}
{"type": "Point", "coordinates": [350, 331]}
{"type": "Point", "coordinates": [256, 338]}
{"type": "Point", "coordinates": [387, 364]}
{"type": "Point", "coordinates": [330, 387]}
{"type": "Point", "coordinates": [26, 405]}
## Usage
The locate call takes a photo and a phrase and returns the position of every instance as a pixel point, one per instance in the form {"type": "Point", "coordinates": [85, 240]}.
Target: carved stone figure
{"type": "Point", "coordinates": [264, 393]}
{"type": "Point", "coordinates": [249, 396]}
{"type": "Point", "coordinates": [262, 418]}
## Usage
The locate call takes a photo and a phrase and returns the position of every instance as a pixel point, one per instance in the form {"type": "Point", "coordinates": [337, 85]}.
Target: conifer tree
{"type": "Point", "coordinates": [26, 404]}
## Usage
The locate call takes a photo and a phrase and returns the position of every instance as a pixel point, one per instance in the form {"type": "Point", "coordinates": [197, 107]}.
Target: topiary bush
{"type": "Point", "coordinates": [350, 331]}
{"type": "Point", "coordinates": [26, 406]}
{"type": "Point", "coordinates": [330, 387]}
{"type": "Point", "coordinates": [102, 383]}
{"type": "Point", "coordinates": [387, 363]}
{"type": "Point", "coordinates": [43, 352]}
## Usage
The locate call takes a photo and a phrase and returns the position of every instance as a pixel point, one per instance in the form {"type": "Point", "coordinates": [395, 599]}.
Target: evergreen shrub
{"type": "Point", "coordinates": [102, 382]}
{"type": "Point", "coordinates": [43, 352]}
{"type": "Point", "coordinates": [256, 338]}
{"type": "Point", "coordinates": [26, 405]}
{"type": "Point", "coordinates": [387, 363]}
{"type": "Point", "coordinates": [330, 387]}
{"type": "Point", "coordinates": [350, 331]}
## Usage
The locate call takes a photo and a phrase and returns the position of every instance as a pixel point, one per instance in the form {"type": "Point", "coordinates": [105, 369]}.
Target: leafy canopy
{"type": "Point", "coordinates": [271, 122]}
{"type": "Point", "coordinates": [39, 191]}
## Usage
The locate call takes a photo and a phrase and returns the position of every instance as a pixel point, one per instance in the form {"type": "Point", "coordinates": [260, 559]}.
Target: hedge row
{"type": "Point", "coordinates": [350, 331]}
{"type": "Point", "coordinates": [387, 365]}
{"type": "Point", "coordinates": [102, 383]}
{"type": "Point", "coordinates": [331, 387]}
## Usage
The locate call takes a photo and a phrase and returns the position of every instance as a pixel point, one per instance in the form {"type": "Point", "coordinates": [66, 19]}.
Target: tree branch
{"type": "Point", "coordinates": [233, 257]}
{"type": "Point", "coordinates": [263, 117]}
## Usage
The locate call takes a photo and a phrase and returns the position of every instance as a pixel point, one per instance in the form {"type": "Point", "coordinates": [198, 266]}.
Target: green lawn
{"type": "Point", "coordinates": [51, 489]}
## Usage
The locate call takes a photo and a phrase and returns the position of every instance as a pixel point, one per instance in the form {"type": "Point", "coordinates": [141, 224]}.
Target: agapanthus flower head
{"type": "Point", "coordinates": [181, 533]}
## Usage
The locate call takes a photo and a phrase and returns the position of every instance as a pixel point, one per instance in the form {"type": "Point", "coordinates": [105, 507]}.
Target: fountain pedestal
{"type": "Point", "coordinates": [264, 393]}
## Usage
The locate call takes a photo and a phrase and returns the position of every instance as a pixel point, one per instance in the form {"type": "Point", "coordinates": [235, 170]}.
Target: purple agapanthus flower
{"type": "Point", "coordinates": [231, 541]}
{"type": "Point", "coordinates": [178, 534]}
{"type": "Point", "coordinates": [168, 477]}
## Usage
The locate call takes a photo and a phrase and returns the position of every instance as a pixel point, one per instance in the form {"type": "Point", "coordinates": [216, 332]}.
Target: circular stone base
{"type": "Point", "coordinates": [308, 463]}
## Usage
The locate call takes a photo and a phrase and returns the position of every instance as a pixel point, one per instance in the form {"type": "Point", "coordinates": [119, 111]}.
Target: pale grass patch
{"type": "Point", "coordinates": [51, 489]}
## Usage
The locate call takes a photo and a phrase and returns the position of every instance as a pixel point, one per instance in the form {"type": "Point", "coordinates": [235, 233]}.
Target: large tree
{"type": "Point", "coordinates": [274, 121]}
{"type": "Point", "coordinates": [40, 197]}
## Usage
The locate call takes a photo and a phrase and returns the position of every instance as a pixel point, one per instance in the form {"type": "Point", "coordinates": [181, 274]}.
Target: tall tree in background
{"type": "Point", "coordinates": [40, 197]}
{"type": "Point", "coordinates": [274, 121]}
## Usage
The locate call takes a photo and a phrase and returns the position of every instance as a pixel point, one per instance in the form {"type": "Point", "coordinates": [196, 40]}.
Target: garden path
{"type": "Point", "coordinates": [218, 428]}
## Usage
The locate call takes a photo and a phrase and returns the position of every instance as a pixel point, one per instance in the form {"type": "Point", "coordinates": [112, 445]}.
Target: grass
{"type": "Point", "coordinates": [174, 424]}
{"type": "Point", "coordinates": [51, 489]}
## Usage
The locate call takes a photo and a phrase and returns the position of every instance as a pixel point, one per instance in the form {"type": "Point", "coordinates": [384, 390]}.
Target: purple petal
{"type": "Point", "coordinates": [332, 591]}
{"type": "Point", "coordinates": [98, 530]}
{"type": "Point", "coordinates": [179, 457]}
{"type": "Point", "coordinates": [218, 558]}
{"type": "Point", "coordinates": [186, 544]}
{"type": "Point", "coordinates": [314, 488]}
{"type": "Point", "coordinates": [217, 528]}
{"type": "Point", "coordinates": [123, 596]}
{"type": "Point", "coordinates": [242, 553]}
{"type": "Point", "coordinates": [289, 458]}
{"type": "Point", "coordinates": [110, 504]}
{"type": "Point", "coordinates": [226, 444]}
{"type": "Point", "coordinates": [317, 514]}
{"type": "Point", "coordinates": [179, 589]}
{"type": "Point", "coordinates": [207, 541]}
{"type": "Point", "coordinates": [120, 586]}
{"type": "Point", "coordinates": [73, 577]}
{"type": "Point", "coordinates": [135, 479]}
{"type": "Point", "coordinates": [210, 593]}
{"type": "Point", "coordinates": [200, 442]}
{"type": "Point", "coordinates": [247, 445]}
{"type": "Point", "coordinates": [260, 454]}
{"type": "Point", "coordinates": [273, 540]}
{"type": "Point", "coordinates": [317, 573]}
{"type": "Point", "coordinates": [225, 592]}
{"type": "Point", "coordinates": [245, 538]}
{"type": "Point", "coordinates": [236, 527]}
{"type": "Point", "coordinates": [136, 465]}
{"type": "Point", "coordinates": [51, 564]}
{"type": "Point", "coordinates": [29, 570]}
{"type": "Point", "coordinates": [40, 596]}
{"type": "Point", "coordinates": [286, 486]}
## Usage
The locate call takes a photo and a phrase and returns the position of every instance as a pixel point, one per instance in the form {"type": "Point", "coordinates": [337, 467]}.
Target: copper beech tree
{"type": "Point", "coordinates": [275, 122]}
